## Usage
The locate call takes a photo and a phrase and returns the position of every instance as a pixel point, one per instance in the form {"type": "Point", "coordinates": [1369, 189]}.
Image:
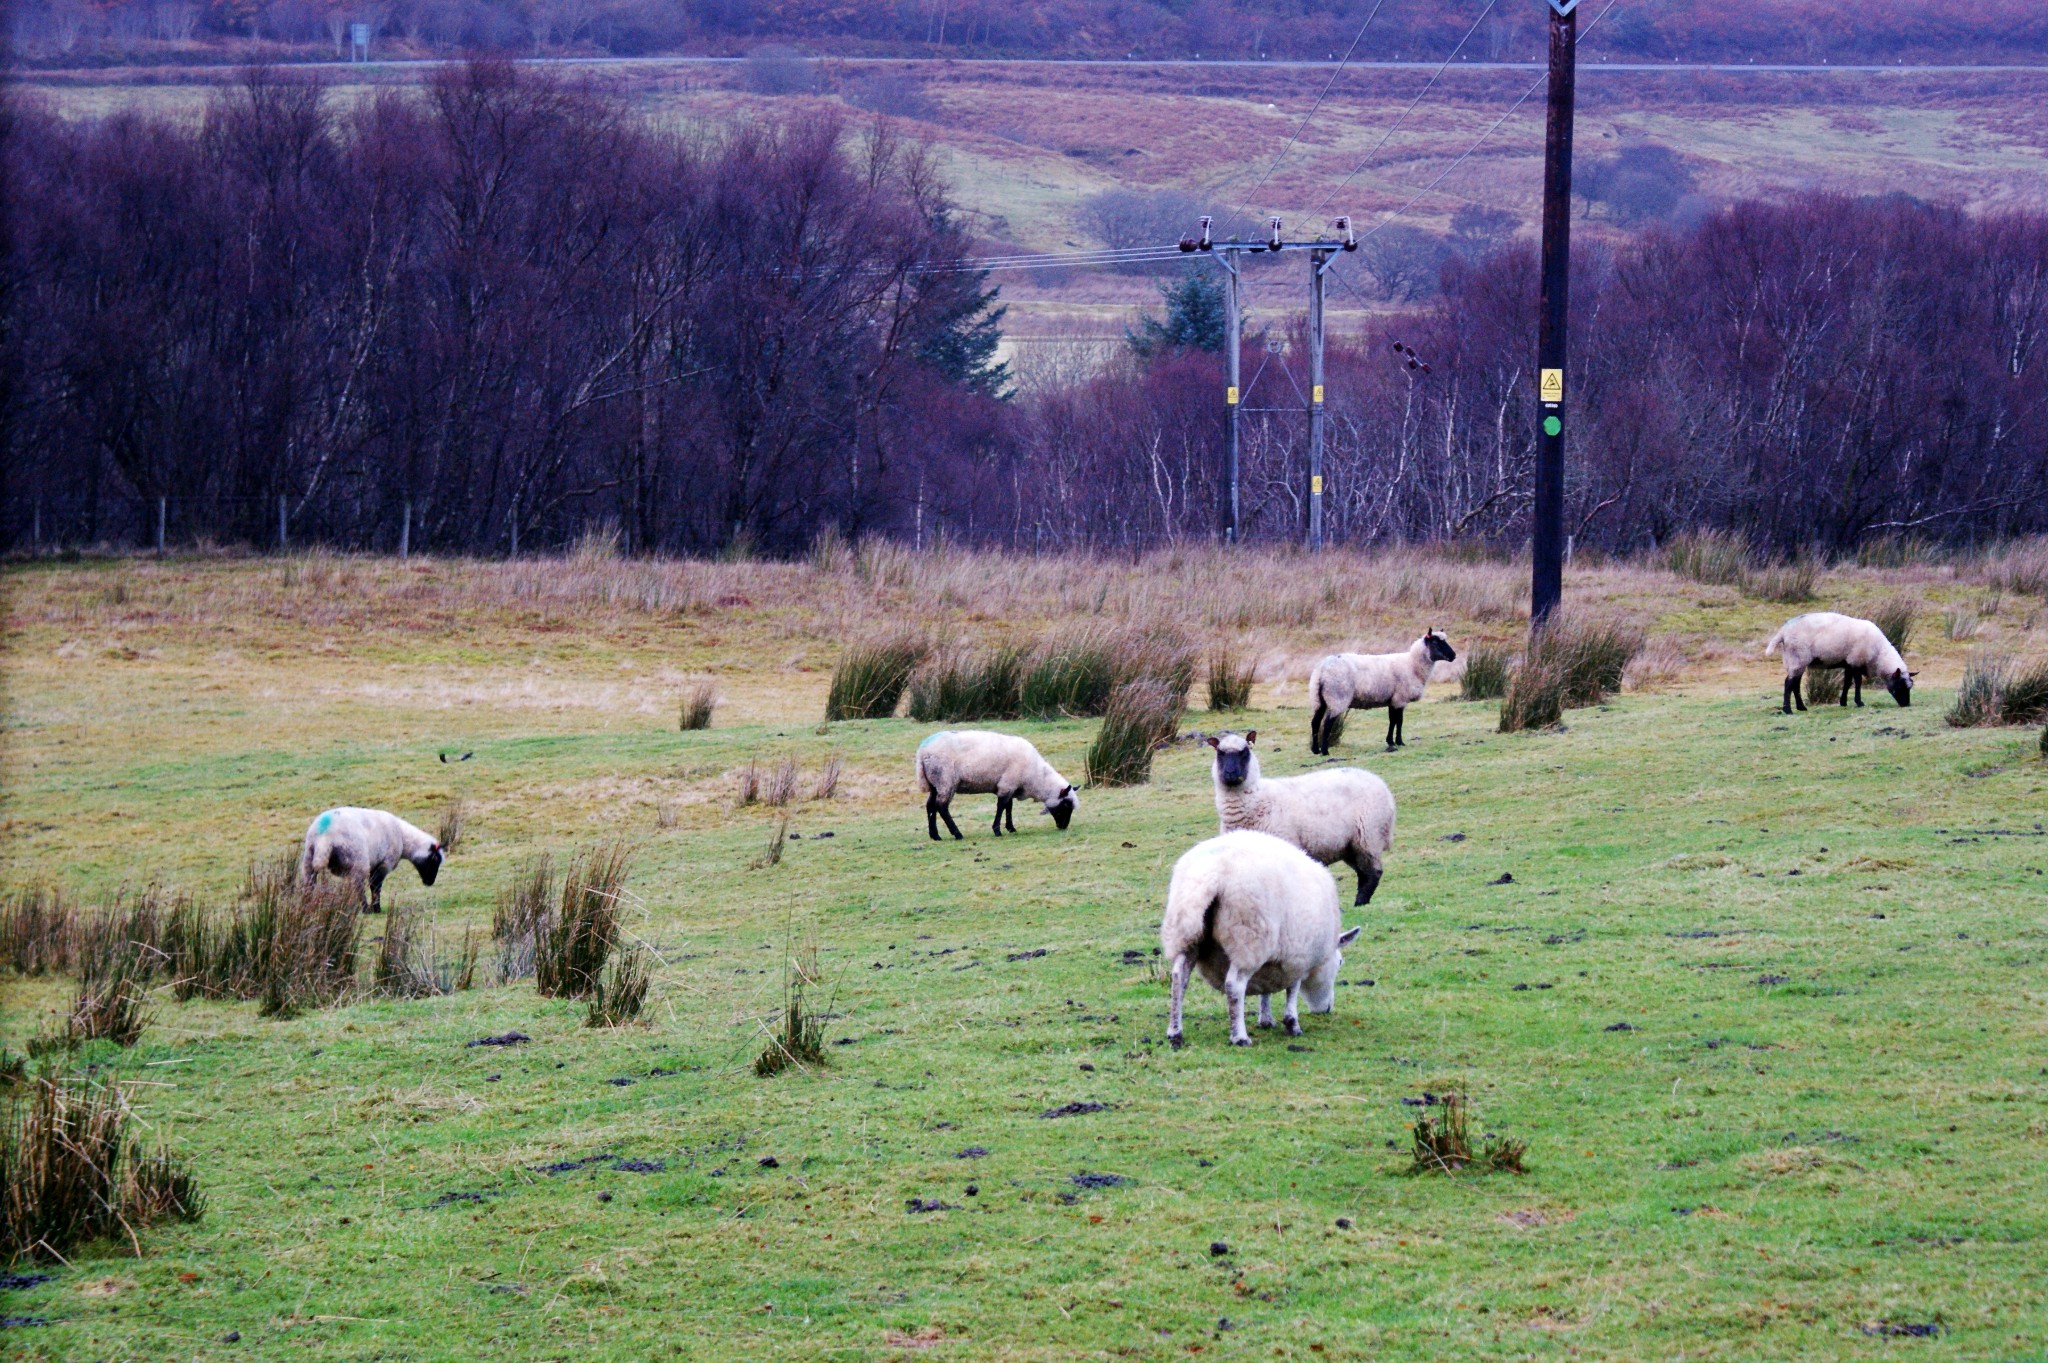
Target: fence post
{"type": "Point", "coordinates": [280, 522]}
{"type": "Point", "coordinates": [405, 533]}
{"type": "Point", "coordinates": [160, 507]}
{"type": "Point", "coordinates": [36, 526]}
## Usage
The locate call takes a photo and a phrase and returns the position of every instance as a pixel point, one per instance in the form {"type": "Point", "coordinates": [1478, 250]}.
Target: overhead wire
{"type": "Point", "coordinates": [1315, 108]}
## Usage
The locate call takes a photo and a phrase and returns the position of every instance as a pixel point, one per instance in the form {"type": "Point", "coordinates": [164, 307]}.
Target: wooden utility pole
{"type": "Point", "coordinates": [1318, 261]}
{"type": "Point", "coordinates": [1233, 344]}
{"type": "Point", "coordinates": [1546, 582]}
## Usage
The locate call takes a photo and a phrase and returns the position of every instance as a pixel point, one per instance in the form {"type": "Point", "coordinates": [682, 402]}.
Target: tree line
{"type": "Point", "coordinates": [491, 314]}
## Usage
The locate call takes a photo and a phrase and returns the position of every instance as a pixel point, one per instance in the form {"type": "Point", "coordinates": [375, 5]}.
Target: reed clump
{"type": "Point", "coordinates": [1573, 661]}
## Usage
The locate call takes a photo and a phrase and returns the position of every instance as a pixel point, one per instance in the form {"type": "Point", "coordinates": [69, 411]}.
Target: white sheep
{"type": "Point", "coordinates": [366, 845]}
{"type": "Point", "coordinates": [979, 762]}
{"type": "Point", "coordinates": [1366, 681]}
{"type": "Point", "coordinates": [1825, 639]}
{"type": "Point", "coordinates": [1339, 814]}
{"type": "Point", "coordinates": [1254, 915]}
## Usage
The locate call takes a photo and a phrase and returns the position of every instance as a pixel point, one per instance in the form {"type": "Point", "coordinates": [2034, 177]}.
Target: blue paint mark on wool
{"type": "Point", "coordinates": [943, 733]}
{"type": "Point", "coordinates": [320, 824]}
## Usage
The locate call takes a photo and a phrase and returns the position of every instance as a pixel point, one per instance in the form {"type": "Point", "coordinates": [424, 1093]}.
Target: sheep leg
{"type": "Point", "coordinates": [1858, 673]}
{"type": "Point", "coordinates": [931, 816]}
{"type": "Point", "coordinates": [1182, 964]}
{"type": "Point", "coordinates": [1265, 1010]}
{"type": "Point", "coordinates": [376, 889]}
{"type": "Point", "coordinates": [946, 813]}
{"type": "Point", "coordinates": [1316, 745]}
{"type": "Point", "coordinates": [1394, 716]}
{"type": "Point", "coordinates": [1234, 983]}
{"type": "Point", "coordinates": [1002, 805]}
{"type": "Point", "coordinates": [1792, 688]}
{"type": "Point", "coordinates": [1368, 868]}
{"type": "Point", "coordinates": [1010, 813]}
{"type": "Point", "coordinates": [1293, 1015]}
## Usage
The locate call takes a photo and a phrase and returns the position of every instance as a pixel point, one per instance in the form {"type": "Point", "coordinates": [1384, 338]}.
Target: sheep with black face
{"type": "Point", "coordinates": [1826, 639]}
{"type": "Point", "coordinates": [1338, 814]}
{"type": "Point", "coordinates": [1368, 681]}
{"type": "Point", "coordinates": [980, 762]}
{"type": "Point", "coordinates": [365, 846]}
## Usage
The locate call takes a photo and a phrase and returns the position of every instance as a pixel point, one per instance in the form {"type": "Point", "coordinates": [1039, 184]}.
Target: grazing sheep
{"type": "Point", "coordinates": [1366, 681]}
{"type": "Point", "coordinates": [1254, 915]}
{"type": "Point", "coordinates": [1338, 814]}
{"type": "Point", "coordinates": [1858, 647]}
{"type": "Point", "coordinates": [366, 845]}
{"type": "Point", "coordinates": [978, 762]}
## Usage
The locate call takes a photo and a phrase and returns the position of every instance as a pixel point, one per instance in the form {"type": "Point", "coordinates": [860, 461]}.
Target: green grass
{"type": "Point", "coordinates": [1754, 1170]}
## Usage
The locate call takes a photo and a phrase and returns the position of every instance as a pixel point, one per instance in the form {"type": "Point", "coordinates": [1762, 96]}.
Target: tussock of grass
{"type": "Point", "coordinates": [407, 964]}
{"type": "Point", "coordinates": [1573, 661]}
{"type": "Point", "coordinates": [1787, 582]}
{"type": "Point", "coordinates": [1896, 618]}
{"type": "Point", "coordinates": [2000, 689]}
{"type": "Point", "coordinates": [1080, 669]}
{"type": "Point", "coordinates": [112, 1000]}
{"type": "Point", "coordinates": [622, 992]}
{"type": "Point", "coordinates": [799, 1036]}
{"type": "Point", "coordinates": [1230, 679]}
{"type": "Point", "coordinates": [774, 786]}
{"type": "Point", "coordinates": [1486, 672]}
{"type": "Point", "coordinates": [826, 786]}
{"type": "Point", "coordinates": [1894, 550]}
{"type": "Point", "coordinates": [1141, 716]}
{"type": "Point", "coordinates": [450, 832]}
{"type": "Point", "coordinates": [1717, 557]}
{"type": "Point", "coordinates": [305, 939]}
{"type": "Point", "coordinates": [2021, 566]}
{"type": "Point", "coordinates": [521, 917]}
{"type": "Point", "coordinates": [63, 1176]}
{"type": "Point", "coordinates": [698, 702]}
{"type": "Point", "coordinates": [1960, 623]}
{"type": "Point", "coordinates": [576, 942]}
{"type": "Point", "coordinates": [963, 686]}
{"type": "Point", "coordinates": [1824, 685]}
{"type": "Point", "coordinates": [1443, 1145]}
{"type": "Point", "coordinates": [871, 675]}
{"type": "Point", "coordinates": [771, 855]}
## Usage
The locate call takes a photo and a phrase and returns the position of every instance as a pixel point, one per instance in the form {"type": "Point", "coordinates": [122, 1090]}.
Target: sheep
{"type": "Point", "coordinates": [1826, 639]}
{"type": "Point", "coordinates": [1255, 915]}
{"type": "Point", "coordinates": [978, 762]}
{"type": "Point", "coordinates": [1366, 681]}
{"type": "Point", "coordinates": [366, 845]}
{"type": "Point", "coordinates": [1339, 814]}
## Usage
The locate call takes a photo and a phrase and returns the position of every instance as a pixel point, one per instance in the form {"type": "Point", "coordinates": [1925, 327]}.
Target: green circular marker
{"type": "Point", "coordinates": [1551, 425]}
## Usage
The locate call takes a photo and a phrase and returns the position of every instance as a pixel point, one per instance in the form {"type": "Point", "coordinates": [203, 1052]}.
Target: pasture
{"type": "Point", "coordinates": [1763, 994]}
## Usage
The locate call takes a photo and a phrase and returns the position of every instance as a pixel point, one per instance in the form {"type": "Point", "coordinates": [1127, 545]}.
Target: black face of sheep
{"type": "Point", "coordinates": [1440, 650]}
{"type": "Point", "coordinates": [430, 865]}
{"type": "Point", "coordinates": [1234, 763]}
{"type": "Point", "coordinates": [1062, 808]}
{"type": "Point", "coordinates": [1900, 684]}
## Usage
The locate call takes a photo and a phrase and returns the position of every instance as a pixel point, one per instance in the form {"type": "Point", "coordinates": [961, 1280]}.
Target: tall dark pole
{"type": "Point", "coordinates": [1546, 581]}
{"type": "Point", "coordinates": [1233, 336]}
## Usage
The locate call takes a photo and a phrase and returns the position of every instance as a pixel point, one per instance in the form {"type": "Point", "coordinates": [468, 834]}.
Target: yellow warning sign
{"type": "Point", "coordinates": [1315, 485]}
{"type": "Point", "coordinates": [1550, 385]}
{"type": "Point", "coordinates": [1230, 395]}
{"type": "Point", "coordinates": [1319, 392]}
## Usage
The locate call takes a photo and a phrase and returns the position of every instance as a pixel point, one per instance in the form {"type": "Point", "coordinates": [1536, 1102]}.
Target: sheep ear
{"type": "Point", "coordinates": [1065, 791]}
{"type": "Point", "coordinates": [1210, 740]}
{"type": "Point", "coordinates": [1346, 939]}
{"type": "Point", "coordinates": [1251, 736]}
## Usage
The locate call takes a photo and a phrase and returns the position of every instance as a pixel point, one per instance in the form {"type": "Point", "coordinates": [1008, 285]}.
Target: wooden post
{"type": "Point", "coordinates": [405, 534]}
{"type": "Point", "coordinates": [1546, 578]}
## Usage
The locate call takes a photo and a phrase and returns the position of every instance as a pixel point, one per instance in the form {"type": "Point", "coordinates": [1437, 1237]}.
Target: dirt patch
{"type": "Point", "coordinates": [1074, 1109]}
{"type": "Point", "coordinates": [1528, 1218]}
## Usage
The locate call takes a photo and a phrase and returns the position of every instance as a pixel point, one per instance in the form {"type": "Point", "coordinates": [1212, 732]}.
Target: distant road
{"type": "Point", "coordinates": [1586, 67]}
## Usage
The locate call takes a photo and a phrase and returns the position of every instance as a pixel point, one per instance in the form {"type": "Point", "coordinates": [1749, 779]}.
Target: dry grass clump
{"type": "Point", "coordinates": [1080, 669]}
{"type": "Point", "coordinates": [771, 855]}
{"type": "Point", "coordinates": [1717, 557]}
{"type": "Point", "coordinates": [965, 685]}
{"type": "Point", "coordinates": [1230, 679]}
{"type": "Point", "coordinates": [1960, 623]}
{"type": "Point", "coordinates": [1443, 1145]}
{"type": "Point", "coordinates": [450, 831]}
{"type": "Point", "coordinates": [1573, 661]}
{"type": "Point", "coordinates": [1662, 659]}
{"type": "Point", "coordinates": [1141, 716]}
{"type": "Point", "coordinates": [871, 675]}
{"type": "Point", "coordinates": [1824, 685]}
{"type": "Point", "coordinates": [775, 786]}
{"type": "Point", "coordinates": [112, 1001]}
{"type": "Point", "coordinates": [826, 784]}
{"type": "Point", "coordinates": [408, 966]}
{"type": "Point", "coordinates": [68, 1173]}
{"type": "Point", "coordinates": [622, 992]}
{"type": "Point", "coordinates": [1787, 582]}
{"type": "Point", "coordinates": [2000, 689]}
{"type": "Point", "coordinates": [2021, 566]}
{"type": "Point", "coordinates": [1896, 618]}
{"type": "Point", "coordinates": [799, 1036]}
{"type": "Point", "coordinates": [696, 707]}
{"type": "Point", "coordinates": [521, 916]}
{"type": "Point", "coordinates": [43, 931]}
{"type": "Point", "coordinates": [1486, 672]}
{"type": "Point", "coordinates": [573, 945]}
{"type": "Point", "coordinates": [1893, 550]}
{"type": "Point", "coordinates": [306, 936]}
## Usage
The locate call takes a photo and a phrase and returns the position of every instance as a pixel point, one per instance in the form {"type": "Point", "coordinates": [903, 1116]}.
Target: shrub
{"type": "Point", "coordinates": [1718, 557]}
{"type": "Point", "coordinates": [623, 990]}
{"type": "Point", "coordinates": [577, 940]}
{"type": "Point", "coordinates": [63, 1176]}
{"type": "Point", "coordinates": [963, 686]}
{"type": "Point", "coordinates": [1572, 661]}
{"type": "Point", "coordinates": [870, 676]}
{"type": "Point", "coordinates": [1998, 689]}
{"type": "Point", "coordinates": [1486, 672]}
{"type": "Point", "coordinates": [697, 704]}
{"type": "Point", "coordinates": [1230, 679]}
{"type": "Point", "coordinates": [799, 1038]}
{"type": "Point", "coordinates": [1444, 1145]}
{"type": "Point", "coordinates": [1896, 618]}
{"type": "Point", "coordinates": [521, 917]}
{"type": "Point", "coordinates": [1140, 717]}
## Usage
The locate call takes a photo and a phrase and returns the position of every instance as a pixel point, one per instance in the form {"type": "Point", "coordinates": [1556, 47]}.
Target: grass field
{"type": "Point", "coordinates": [1763, 994]}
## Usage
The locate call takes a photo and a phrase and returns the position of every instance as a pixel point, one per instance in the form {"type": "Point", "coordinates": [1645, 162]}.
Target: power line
{"type": "Point", "coordinates": [1302, 126]}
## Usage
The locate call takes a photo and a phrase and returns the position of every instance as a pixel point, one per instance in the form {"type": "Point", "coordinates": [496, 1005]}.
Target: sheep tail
{"type": "Point", "coordinates": [1776, 639]}
{"type": "Point", "coordinates": [924, 782]}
